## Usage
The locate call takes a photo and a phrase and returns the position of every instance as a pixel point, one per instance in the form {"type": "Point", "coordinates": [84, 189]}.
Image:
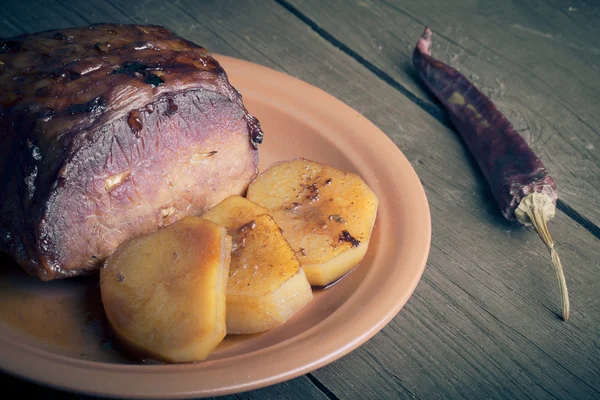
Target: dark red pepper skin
{"type": "Point", "coordinates": [510, 166]}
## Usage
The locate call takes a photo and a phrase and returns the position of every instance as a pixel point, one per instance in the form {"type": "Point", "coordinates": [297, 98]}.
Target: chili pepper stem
{"type": "Point", "coordinates": [537, 209]}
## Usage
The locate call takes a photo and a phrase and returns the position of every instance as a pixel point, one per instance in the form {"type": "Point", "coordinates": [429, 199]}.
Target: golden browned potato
{"type": "Point", "coordinates": [165, 293]}
{"type": "Point", "coordinates": [233, 212]}
{"type": "Point", "coordinates": [266, 284]}
{"type": "Point", "coordinates": [327, 214]}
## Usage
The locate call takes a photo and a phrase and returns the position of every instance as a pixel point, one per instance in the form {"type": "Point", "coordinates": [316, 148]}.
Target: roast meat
{"type": "Point", "coordinates": [108, 132]}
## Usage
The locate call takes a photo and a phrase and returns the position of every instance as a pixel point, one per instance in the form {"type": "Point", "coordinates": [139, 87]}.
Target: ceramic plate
{"type": "Point", "coordinates": [55, 333]}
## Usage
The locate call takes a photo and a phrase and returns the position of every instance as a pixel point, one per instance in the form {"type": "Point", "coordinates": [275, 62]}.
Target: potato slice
{"type": "Point", "coordinates": [327, 214]}
{"type": "Point", "coordinates": [165, 293]}
{"type": "Point", "coordinates": [233, 212]}
{"type": "Point", "coordinates": [266, 284]}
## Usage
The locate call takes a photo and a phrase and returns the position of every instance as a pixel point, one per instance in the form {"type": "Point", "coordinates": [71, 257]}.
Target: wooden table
{"type": "Point", "coordinates": [483, 321]}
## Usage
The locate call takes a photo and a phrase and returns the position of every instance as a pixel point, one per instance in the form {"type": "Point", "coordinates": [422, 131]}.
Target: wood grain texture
{"type": "Point", "coordinates": [536, 59]}
{"type": "Point", "coordinates": [482, 321]}
{"type": "Point", "coordinates": [293, 389]}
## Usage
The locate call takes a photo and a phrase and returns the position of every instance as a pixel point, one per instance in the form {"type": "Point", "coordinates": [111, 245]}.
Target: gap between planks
{"type": "Point", "coordinates": [430, 108]}
{"type": "Point", "coordinates": [319, 385]}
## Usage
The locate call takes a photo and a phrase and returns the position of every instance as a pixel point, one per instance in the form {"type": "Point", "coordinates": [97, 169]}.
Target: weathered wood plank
{"type": "Point", "coordinates": [480, 323]}
{"type": "Point", "coordinates": [537, 60]}
{"type": "Point", "coordinates": [293, 389]}
{"type": "Point", "coordinates": [31, 391]}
